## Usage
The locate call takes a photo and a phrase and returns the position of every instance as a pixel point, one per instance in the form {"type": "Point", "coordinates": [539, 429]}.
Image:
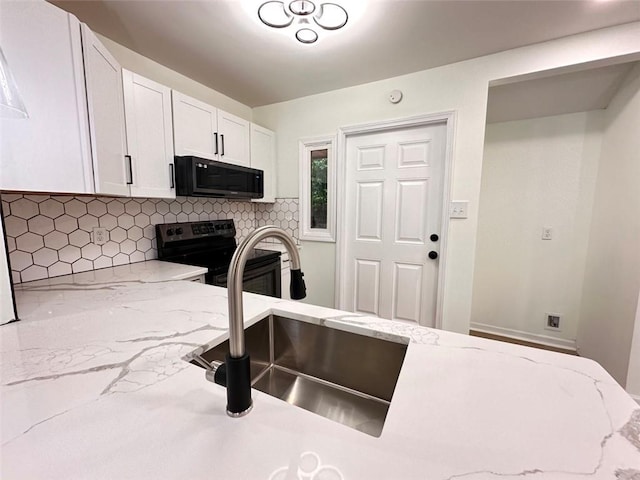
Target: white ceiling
{"type": "Point", "coordinates": [221, 44]}
{"type": "Point", "coordinates": [556, 95]}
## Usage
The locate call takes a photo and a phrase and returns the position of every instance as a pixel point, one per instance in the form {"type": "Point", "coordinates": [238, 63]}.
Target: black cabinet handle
{"type": "Point", "coordinates": [130, 180]}
{"type": "Point", "coordinates": [434, 237]}
{"type": "Point", "coordinates": [215, 136]}
{"type": "Point", "coordinates": [172, 183]}
{"type": "Point", "coordinates": [222, 138]}
{"type": "Point", "coordinates": [433, 255]}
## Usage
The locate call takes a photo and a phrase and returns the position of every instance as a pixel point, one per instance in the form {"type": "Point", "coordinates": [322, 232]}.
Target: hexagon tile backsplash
{"type": "Point", "coordinates": [50, 235]}
{"type": "Point", "coordinates": [283, 213]}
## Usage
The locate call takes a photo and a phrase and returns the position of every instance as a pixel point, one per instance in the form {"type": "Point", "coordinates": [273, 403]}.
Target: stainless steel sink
{"type": "Point", "coordinates": [346, 377]}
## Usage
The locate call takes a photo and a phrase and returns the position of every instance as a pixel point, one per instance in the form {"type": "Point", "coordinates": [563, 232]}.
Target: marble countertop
{"type": "Point", "coordinates": [95, 386]}
{"type": "Point", "coordinates": [149, 271]}
{"type": "Point", "coordinates": [56, 296]}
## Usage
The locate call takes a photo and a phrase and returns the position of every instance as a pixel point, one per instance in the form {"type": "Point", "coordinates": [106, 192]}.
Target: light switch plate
{"type": "Point", "coordinates": [459, 209]}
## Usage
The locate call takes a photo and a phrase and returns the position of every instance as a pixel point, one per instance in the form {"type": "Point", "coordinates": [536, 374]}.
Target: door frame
{"type": "Point", "coordinates": [448, 118]}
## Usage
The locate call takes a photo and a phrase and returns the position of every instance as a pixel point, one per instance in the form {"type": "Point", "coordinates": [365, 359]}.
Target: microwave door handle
{"type": "Point", "coordinates": [193, 187]}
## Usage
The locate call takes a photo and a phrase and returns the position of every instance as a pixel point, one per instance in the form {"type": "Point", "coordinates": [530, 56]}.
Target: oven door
{"type": "Point", "coordinates": [263, 279]}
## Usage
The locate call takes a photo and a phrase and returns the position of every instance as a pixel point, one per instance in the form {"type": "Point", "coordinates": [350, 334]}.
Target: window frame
{"type": "Point", "coordinates": [306, 146]}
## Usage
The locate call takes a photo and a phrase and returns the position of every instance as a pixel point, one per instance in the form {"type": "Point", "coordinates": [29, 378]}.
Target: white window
{"type": "Point", "coordinates": [317, 189]}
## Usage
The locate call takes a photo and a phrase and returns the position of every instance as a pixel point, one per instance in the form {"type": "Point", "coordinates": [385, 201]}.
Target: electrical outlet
{"type": "Point", "coordinates": [100, 235]}
{"type": "Point", "coordinates": [459, 209]}
{"type": "Point", "coordinates": [547, 233]}
{"type": "Point", "coordinates": [552, 321]}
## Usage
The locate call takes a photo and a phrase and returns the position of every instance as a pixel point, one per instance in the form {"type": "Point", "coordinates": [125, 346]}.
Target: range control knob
{"type": "Point", "coordinates": [170, 231]}
{"type": "Point", "coordinates": [179, 231]}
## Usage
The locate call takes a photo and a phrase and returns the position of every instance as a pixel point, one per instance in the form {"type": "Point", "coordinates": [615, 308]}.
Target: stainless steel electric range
{"type": "Point", "coordinates": [211, 244]}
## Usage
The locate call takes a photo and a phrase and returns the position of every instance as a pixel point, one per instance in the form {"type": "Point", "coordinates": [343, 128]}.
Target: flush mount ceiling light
{"type": "Point", "coordinates": [306, 17]}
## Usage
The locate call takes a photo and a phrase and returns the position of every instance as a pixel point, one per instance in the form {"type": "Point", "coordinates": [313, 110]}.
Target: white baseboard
{"type": "Point", "coordinates": [525, 336]}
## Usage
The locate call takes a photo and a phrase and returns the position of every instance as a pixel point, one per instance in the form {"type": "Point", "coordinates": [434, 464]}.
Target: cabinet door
{"type": "Point", "coordinates": [195, 127]}
{"type": "Point", "coordinates": [263, 156]}
{"type": "Point", "coordinates": [106, 116]}
{"type": "Point", "coordinates": [147, 107]}
{"type": "Point", "coordinates": [48, 151]}
{"type": "Point", "coordinates": [234, 142]}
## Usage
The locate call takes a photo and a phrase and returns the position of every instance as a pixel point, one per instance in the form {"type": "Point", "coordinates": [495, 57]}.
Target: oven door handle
{"type": "Point", "coordinates": [252, 273]}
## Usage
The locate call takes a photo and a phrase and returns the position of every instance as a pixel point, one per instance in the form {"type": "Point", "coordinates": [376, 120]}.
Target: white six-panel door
{"type": "Point", "coordinates": [393, 191]}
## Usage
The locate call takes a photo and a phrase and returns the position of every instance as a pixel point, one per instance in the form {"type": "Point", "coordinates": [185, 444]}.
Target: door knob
{"type": "Point", "coordinates": [433, 255]}
{"type": "Point", "coordinates": [434, 237]}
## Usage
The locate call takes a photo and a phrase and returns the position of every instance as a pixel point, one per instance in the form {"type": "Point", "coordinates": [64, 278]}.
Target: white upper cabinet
{"type": "Point", "coordinates": [48, 151]}
{"type": "Point", "coordinates": [195, 126]}
{"type": "Point", "coordinates": [202, 130]}
{"type": "Point", "coordinates": [149, 128]}
{"type": "Point", "coordinates": [233, 139]}
{"type": "Point", "coordinates": [263, 157]}
{"type": "Point", "coordinates": [75, 139]}
{"type": "Point", "coordinates": [106, 117]}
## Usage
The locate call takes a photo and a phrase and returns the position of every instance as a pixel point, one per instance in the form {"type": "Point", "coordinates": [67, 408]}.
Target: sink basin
{"type": "Point", "coordinates": [344, 376]}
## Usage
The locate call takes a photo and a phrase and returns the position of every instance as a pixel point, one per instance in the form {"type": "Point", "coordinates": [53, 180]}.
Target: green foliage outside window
{"type": "Point", "coordinates": [319, 164]}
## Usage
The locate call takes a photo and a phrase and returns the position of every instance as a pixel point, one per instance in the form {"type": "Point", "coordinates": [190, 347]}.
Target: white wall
{"type": "Point", "coordinates": [461, 87]}
{"type": "Point", "coordinates": [536, 173]}
{"type": "Point", "coordinates": [318, 264]}
{"type": "Point", "coordinates": [612, 277]}
{"type": "Point", "coordinates": [148, 68]}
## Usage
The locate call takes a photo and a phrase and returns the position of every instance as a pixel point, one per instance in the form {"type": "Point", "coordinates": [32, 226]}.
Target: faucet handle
{"type": "Point", "coordinates": [297, 289]}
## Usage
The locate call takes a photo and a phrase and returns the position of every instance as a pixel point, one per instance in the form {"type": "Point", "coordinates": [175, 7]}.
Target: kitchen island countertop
{"type": "Point", "coordinates": [95, 386]}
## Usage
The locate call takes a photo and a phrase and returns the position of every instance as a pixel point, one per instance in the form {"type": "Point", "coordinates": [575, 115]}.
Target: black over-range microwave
{"type": "Point", "coordinates": [199, 177]}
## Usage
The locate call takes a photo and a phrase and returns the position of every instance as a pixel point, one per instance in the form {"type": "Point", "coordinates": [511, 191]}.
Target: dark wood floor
{"type": "Point", "coordinates": [475, 333]}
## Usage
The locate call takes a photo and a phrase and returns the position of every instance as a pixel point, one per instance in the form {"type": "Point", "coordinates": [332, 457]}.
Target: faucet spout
{"type": "Point", "coordinates": [237, 361]}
